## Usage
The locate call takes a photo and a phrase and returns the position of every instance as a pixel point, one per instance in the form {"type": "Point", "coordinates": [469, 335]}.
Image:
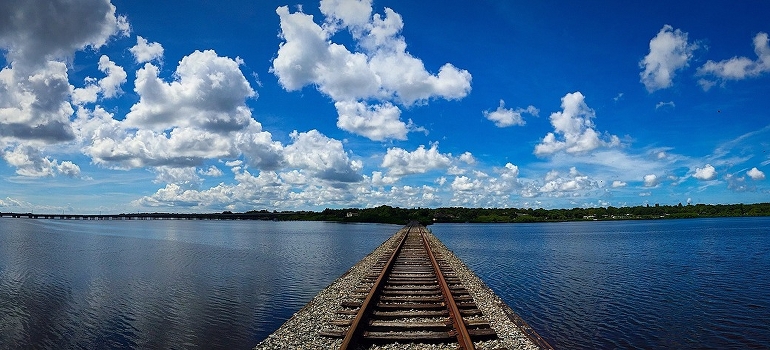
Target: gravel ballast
{"type": "Point", "coordinates": [302, 330]}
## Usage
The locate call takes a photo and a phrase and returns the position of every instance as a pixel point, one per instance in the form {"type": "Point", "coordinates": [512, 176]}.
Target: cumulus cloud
{"type": "Point", "coordinates": [706, 173]}
{"type": "Point", "coordinates": [400, 162]}
{"type": "Point", "coordinates": [208, 92]}
{"type": "Point", "coordinates": [186, 177]}
{"type": "Point", "coordinates": [145, 51]}
{"type": "Point", "coordinates": [573, 129]}
{"type": "Point", "coordinates": [504, 117]}
{"type": "Point", "coordinates": [381, 71]}
{"type": "Point", "coordinates": [618, 184]}
{"type": "Point", "coordinates": [467, 158]}
{"type": "Point", "coordinates": [352, 13]}
{"type": "Point", "coordinates": [38, 37]}
{"type": "Point", "coordinates": [116, 76]}
{"type": "Point", "coordinates": [738, 68]}
{"type": "Point", "coordinates": [108, 87]}
{"type": "Point", "coordinates": [651, 180]}
{"type": "Point", "coordinates": [376, 122]}
{"type": "Point", "coordinates": [756, 174]}
{"type": "Point", "coordinates": [199, 115]}
{"type": "Point", "coordinates": [294, 189]}
{"type": "Point", "coordinates": [35, 31]}
{"type": "Point", "coordinates": [265, 190]}
{"type": "Point", "coordinates": [669, 52]}
{"type": "Point", "coordinates": [509, 172]}
{"type": "Point", "coordinates": [465, 184]}
{"type": "Point", "coordinates": [379, 179]}
{"type": "Point", "coordinates": [558, 185]}
{"type": "Point", "coordinates": [34, 106]}
{"type": "Point", "coordinates": [29, 162]}
{"type": "Point", "coordinates": [323, 157]}
{"type": "Point", "coordinates": [211, 171]}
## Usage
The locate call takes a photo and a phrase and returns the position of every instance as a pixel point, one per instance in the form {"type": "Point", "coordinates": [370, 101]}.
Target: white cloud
{"type": "Point", "coordinates": [35, 31]}
{"type": "Point", "coordinates": [212, 171]}
{"type": "Point", "coordinates": [467, 158]}
{"type": "Point", "coordinates": [322, 157]}
{"type": "Point", "coordinates": [509, 172]}
{"type": "Point", "coordinates": [503, 117]}
{"type": "Point", "coordinates": [378, 179]}
{"type": "Point", "coordinates": [145, 51]}
{"type": "Point", "coordinates": [109, 86]}
{"type": "Point", "coordinates": [557, 185]}
{"type": "Point", "coordinates": [574, 125]}
{"type": "Point", "coordinates": [618, 184]}
{"type": "Point", "coordinates": [400, 162]}
{"type": "Point", "coordinates": [113, 144]}
{"type": "Point", "coordinates": [352, 13]}
{"type": "Point", "coordinates": [86, 94]}
{"type": "Point", "coordinates": [376, 122]}
{"type": "Point", "coordinates": [38, 37]}
{"type": "Point", "coordinates": [651, 180]}
{"type": "Point", "coordinates": [465, 184]}
{"type": "Point", "coordinates": [706, 173]}
{"type": "Point", "coordinates": [185, 177]}
{"type": "Point", "coordinates": [199, 115]}
{"type": "Point", "coordinates": [265, 190]}
{"type": "Point", "coordinates": [382, 71]}
{"type": "Point", "coordinates": [35, 104]}
{"type": "Point", "coordinates": [756, 174]}
{"type": "Point", "coordinates": [28, 161]}
{"type": "Point", "coordinates": [208, 92]}
{"type": "Point", "coordinates": [9, 202]}
{"type": "Point", "coordinates": [661, 104]}
{"type": "Point", "coordinates": [68, 168]}
{"type": "Point", "coordinates": [738, 68]}
{"type": "Point", "coordinates": [669, 52]}
{"type": "Point", "coordinates": [116, 76]}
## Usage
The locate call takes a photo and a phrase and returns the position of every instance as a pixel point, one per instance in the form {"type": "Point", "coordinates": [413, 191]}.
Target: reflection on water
{"type": "Point", "coordinates": [681, 284]}
{"type": "Point", "coordinates": [674, 284]}
{"type": "Point", "coordinates": [165, 284]}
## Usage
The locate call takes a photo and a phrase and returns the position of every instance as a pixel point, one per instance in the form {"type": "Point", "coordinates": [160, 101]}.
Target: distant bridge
{"type": "Point", "coordinates": [152, 216]}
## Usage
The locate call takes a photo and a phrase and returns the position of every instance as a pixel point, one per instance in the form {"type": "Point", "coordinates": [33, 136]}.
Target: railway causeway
{"type": "Point", "coordinates": [409, 293]}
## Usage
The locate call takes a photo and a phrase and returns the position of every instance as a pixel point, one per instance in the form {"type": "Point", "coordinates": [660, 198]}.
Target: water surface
{"type": "Point", "coordinates": [669, 284]}
{"type": "Point", "coordinates": [165, 284]}
{"type": "Point", "coordinates": [684, 284]}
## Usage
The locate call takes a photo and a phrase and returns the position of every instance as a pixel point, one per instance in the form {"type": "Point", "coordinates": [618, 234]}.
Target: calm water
{"type": "Point", "coordinates": [674, 284]}
{"type": "Point", "coordinates": [228, 284]}
{"type": "Point", "coordinates": [165, 284]}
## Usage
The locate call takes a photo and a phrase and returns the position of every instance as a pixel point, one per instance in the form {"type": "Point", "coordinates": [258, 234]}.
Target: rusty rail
{"type": "Point", "coordinates": [410, 283]}
{"type": "Point", "coordinates": [463, 337]}
{"type": "Point", "coordinates": [355, 330]}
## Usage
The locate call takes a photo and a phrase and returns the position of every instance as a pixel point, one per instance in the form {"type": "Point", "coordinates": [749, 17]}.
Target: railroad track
{"type": "Point", "coordinates": [411, 295]}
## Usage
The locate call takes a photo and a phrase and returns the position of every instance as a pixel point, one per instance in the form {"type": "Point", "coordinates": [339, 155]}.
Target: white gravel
{"type": "Point", "coordinates": [301, 331]}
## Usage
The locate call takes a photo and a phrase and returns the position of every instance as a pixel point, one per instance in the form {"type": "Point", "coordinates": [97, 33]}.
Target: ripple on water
{"type": "Point", "coordinates": [630, 285]}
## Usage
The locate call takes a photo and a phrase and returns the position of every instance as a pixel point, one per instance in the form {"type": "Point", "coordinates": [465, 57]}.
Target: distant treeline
{"type": "Point", "coordinates": [396, 215]}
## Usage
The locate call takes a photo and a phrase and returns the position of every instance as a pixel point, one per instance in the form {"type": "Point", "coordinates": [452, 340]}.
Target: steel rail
{"type": "Point", "coordinates": [463, 337]}
{"type": "Point", "coordinates": [354, 332]}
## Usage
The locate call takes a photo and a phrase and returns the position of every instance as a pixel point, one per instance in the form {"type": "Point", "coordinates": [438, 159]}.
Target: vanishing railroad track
{"type": "Point", "coordinates": [411, 295]}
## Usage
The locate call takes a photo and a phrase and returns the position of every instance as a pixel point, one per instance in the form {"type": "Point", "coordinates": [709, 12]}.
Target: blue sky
{"type": "Point", "coordinates": [192, 106]}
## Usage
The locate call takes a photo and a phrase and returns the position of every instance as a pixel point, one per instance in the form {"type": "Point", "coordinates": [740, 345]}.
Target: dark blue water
{"type": "Point", "coordinates": [165, 284]}
{"type": "Point", "coordinates": [687, 284]}
{"type": "Point", "coordinates": [673, 284]}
